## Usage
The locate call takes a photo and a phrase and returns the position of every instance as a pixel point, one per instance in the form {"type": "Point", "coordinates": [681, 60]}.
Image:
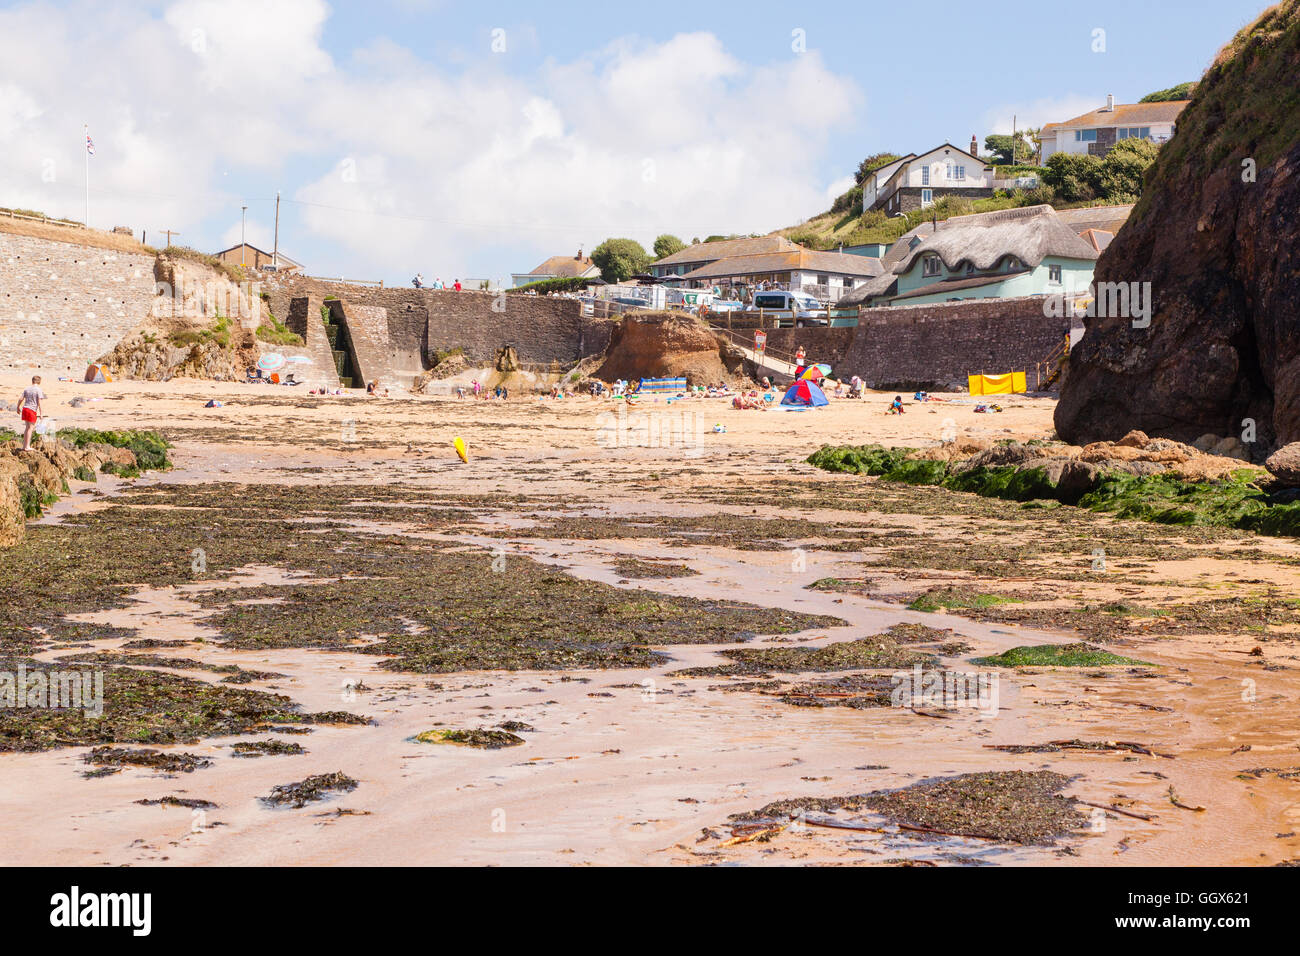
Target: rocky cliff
{"type": "Point", "coordinates": [200, 325]}
{"type": "Point", "coordinates": [1215, 234]}
{"type": "Point", "coordinates": [668, 345]}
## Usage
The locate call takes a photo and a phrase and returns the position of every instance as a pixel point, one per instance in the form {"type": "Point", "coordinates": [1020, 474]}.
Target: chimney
{"type": "Point", "coordinates": [579, 255]}
{"type": "Point", "coordinates": [1110, 102]}
{"type": "Point", "coordinates": [974, 145]}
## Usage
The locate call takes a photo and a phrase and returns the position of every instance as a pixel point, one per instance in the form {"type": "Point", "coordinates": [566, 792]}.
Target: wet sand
{"type": "Point", "coordinates": [634, 765]}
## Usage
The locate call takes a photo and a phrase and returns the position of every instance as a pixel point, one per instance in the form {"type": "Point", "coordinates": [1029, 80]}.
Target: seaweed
{"type": "Point", "coordinates": [880, 651]}
{"type": "Point", "coordinates": [317, 787]}
{"type": "Point", "coordinates": [155, 759]}
{"type": "Point", "coordinates": [262, 748]}
{"type": "Point", "coordinates": [1058, 655]}
{"type": "Point", "coordinates": [483, 739]}
{"type": "Point", "coordinates": [1009, 806]}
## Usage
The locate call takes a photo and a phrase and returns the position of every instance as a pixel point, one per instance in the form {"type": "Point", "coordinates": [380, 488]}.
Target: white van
{"type": "Point", "coordinates": [803, 308]}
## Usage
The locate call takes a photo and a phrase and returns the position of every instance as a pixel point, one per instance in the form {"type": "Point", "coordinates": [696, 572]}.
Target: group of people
{"type": "Point", "coordinates": [478, 389]}
{"type": "Point", "coordinates": [418, 282]}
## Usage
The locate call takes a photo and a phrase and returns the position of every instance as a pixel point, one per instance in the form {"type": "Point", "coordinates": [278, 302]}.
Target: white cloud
{"type": "Point", "coordinates": [839, 188]}
{"type": "Point", "coordinates": [1033, 114]}
{"type": "Point", "coordinates": [474, 167]}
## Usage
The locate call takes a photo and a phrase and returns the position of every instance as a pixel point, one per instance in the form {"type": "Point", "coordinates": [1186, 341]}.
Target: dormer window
{"type": "Point", "coordinates": [930, 265]}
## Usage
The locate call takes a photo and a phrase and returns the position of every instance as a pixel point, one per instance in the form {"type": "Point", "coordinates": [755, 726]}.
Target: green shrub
{"type": "Point", "coordinates": [1074, 176]}
{"type": "Point", "coordinates": [150, 448]}
{"type": "Point", "coordinates": [277, 333]}
{"type": "Point", "coordinates": [219, 333]}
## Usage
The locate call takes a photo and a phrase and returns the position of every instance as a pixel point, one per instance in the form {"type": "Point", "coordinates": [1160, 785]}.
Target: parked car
{"type": "Point", "coordinates": [803, 309]}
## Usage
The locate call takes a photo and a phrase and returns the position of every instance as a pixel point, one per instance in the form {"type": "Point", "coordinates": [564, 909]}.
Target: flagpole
{"type": "Point", "coordinates": [85, 147]}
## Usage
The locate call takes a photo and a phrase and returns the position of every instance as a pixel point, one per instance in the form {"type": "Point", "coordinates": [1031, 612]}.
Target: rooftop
{"type": "Point", "coordinates": [1124, 114]}
{"type": "Point", "coordinates": [724, 248]}
{"type": "Point", "coordinates": [565, 267]}
{"type": "Point", "coordinates": [800, 259]}
{"type": "Point", "coordinates": [1030, 233]}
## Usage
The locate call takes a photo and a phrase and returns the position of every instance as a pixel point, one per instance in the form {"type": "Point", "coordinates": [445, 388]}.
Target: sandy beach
{"type": "Point", "coordinates": [636, 763]}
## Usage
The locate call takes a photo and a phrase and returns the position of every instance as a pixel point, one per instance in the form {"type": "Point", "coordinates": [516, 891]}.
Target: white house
{"type": "Point", "coordinates": [915, 182]}
{"type": "Point", "coordinates": [825, 275]}
{"type": "Point", "coordinates": [1095, 132]}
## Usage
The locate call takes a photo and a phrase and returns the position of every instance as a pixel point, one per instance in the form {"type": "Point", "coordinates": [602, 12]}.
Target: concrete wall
{"type": "Point", "coordinates": [422, 322]}
{"type": "Point", "coordinates": [63, 305]}
{"type": "Point", "coordinates": [937, 346]}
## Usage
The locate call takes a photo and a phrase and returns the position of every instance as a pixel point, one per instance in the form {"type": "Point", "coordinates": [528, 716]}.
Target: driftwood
{"type": "Point", "coordinates": [1173, 798]}
{"type": "Point", "coordinates": [1127, 813]}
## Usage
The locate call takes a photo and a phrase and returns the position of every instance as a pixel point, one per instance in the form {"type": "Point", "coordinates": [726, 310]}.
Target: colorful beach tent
{"type": "Point", "coordinates": [997, 384]}
{"type": "Point", "coordinates": [805, 395]}
{"type": "Point", "coordinates": [96, 375]}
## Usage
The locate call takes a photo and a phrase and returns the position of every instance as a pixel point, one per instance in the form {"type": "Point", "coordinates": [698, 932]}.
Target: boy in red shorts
{"type": "Point", "coordinates": [29, 409]}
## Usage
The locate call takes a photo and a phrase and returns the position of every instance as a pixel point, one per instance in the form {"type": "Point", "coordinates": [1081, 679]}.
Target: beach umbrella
{"type": "Point", "coordinates": [812, 373]}
{"type": "Point", "coordinates": [299, 360]}
{"type": "Point", "coordinates": [271, 362]}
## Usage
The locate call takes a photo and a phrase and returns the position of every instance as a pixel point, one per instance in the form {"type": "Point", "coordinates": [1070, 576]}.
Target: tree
{"type": "Point", "coordinates": [850, 202]}
{"type": "Point", "coordinates": [1009, 150]}
{"type": "Point", "coordinates": [1183, 91]}
{"type": "Point", "coordinates": [873, 162]}
{"type": "Point", "coordinates": [1123, 171]}
{"type": "Point", "coordinates": [666, 245]}
{"type": "Point", "coordinates": [1074, 176]}
{"type": "Point", "coordinates": [619, 259]}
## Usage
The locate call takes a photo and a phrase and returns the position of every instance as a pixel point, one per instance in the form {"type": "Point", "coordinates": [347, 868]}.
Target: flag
{"type": "Point", "coordinates": [90, 145]}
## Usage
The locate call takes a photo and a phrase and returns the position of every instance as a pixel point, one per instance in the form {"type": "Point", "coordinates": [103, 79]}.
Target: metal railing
{"type": "Point", "coordinates": [1049, 369]}
{"type": "Point", "coordinates": [377, 283]}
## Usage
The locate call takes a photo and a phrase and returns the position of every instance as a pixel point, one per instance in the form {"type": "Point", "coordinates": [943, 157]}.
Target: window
{"type": "Point", "coordinates": [1085, 136]}
{"type": "Point", "coordinates": [970, 268]}
{"type": "Point", "coordinates": [956, 173]}
{"type": "Point", "coordinates": [925, 175]}
{"type": "Point", "coordinates": [916, 241]}
{"type": "Point", "coordinates": [927, 197]}
{"type": "Point", "coordinates": [823, 280]}
{"type": "Point", "coordinates": [1054, 275]}
{"type": "Point", "coordinates": [1133, 132]}
{"type": "Point", "coordinates": [930, 266]}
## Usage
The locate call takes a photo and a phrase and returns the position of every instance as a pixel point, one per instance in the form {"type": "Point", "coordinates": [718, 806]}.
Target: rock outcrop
{"type": "Point", "coordinates": [667, 345]}
{"type": "Point", "coordinates": [1215, 236]}
{"type": "Point", "coordinates": [202, 325]}
{"type": "Point", "coordinates": [28, 479]}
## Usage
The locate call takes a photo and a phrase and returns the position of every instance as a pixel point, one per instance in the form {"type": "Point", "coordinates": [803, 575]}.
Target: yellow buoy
{"type": "Point", "coordinates": [460, 450]}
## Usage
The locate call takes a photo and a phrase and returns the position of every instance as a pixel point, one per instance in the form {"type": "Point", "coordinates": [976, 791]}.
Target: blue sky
{"type": "Point", "coordinates": [475, 139]}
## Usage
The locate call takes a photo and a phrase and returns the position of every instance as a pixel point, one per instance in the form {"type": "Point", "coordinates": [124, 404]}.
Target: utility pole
{"type": "Point", "coordinates": [243, 211]}
{"type": "Point", "coordinates": [86, 147]}
{"type": "Point", "coordinates": [1013, 139]}
{"type": "Point", "coordinates": [170, 233]}
{"type": "Point", "coordinates": [275, 250]}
